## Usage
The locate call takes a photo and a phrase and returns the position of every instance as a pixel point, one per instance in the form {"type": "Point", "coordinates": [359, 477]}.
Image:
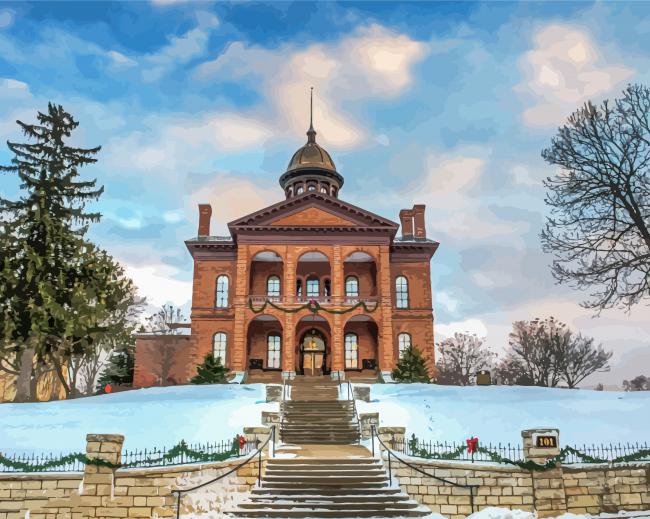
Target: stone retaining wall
{"type": "Point", "coordinates": [103, 493]}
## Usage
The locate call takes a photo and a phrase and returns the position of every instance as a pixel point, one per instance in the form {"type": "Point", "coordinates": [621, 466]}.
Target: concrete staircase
{"type": "Point", "coordinates": [321, 472]}
{"type": "Point", "coordinates": [327, 487]}
{"type": "Point", "coordinates": [315, 415]}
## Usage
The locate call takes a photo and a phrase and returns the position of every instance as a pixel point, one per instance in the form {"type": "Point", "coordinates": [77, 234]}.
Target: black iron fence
{"type": "Point", "coordinates": [41, 463]}
{"type": "Point", "coordinates": [611, 452]}
{"type": "Point", "coordinates": [180, 454]}
{"type": "Point", "coordinates": [455, 451]}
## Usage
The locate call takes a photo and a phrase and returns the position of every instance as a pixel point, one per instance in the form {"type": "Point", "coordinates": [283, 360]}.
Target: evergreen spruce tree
{"type": "Point", "coordinates": [118, 370]}
{"type": "Point", "coordinates": [211, 371]}
{"type": "Point", "coordinates": [411, 367]}
{"type": "Point", "coordinates": [57, 290]}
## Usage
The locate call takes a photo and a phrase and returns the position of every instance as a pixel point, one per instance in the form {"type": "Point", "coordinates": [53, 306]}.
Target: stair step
{"type": "Point", "coordinates": [343, 514]}
{"type": "Point", "coordinates": [290, 490]}
{"type": "Point", "coordinates": [325, 473]}
{"type": "Point", "coordinates": [338, 498]}
{"type": "Point", "coordinates": [317, 504]}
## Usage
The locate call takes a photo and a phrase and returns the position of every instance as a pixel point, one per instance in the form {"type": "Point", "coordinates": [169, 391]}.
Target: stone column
{"type": "Point", "coordinates": [338, 360]}
{"type": "Point", "coordinates": [366, 421]}
{"type": "Point", "coordinates": [99, 480]}
{"type": "Point", "coordinates": [385, 339]}
{"type": "Point", "coordinates": [288, 346]}
{"type": "Point", "coordinates": [393, 437]}
{"type": "Point", "coordinates": [548, 485]}
{"type": "Point", "coordinates": [240, 303]}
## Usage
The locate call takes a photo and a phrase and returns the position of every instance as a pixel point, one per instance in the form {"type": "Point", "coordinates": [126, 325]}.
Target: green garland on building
{"type": "Point", "coordinates": [313, 306]}
{"type": "Point", "coordinates": [527, 465]}
{"type": "Point", "coordinates": [178, 450]}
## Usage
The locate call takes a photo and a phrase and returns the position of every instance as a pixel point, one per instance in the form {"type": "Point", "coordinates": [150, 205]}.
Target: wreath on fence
{"type": "Point", "coordinates": [181, 449]}
{"type": "Point", "coordinates": [313, 306]}
{"type": "Point", "coordinates": [528, 465]}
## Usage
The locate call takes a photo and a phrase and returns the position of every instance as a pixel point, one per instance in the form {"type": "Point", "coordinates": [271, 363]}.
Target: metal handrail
{"type": "Point", "coordinates": [390, 473]}
{"type": "Point", "coordinates": [354, 404]}
{"type": "Point", "coordinates": [179, 492]}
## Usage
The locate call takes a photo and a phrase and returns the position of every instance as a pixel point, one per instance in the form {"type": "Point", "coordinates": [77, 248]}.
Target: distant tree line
{"type": "Point", "coordinates": [542, 353]}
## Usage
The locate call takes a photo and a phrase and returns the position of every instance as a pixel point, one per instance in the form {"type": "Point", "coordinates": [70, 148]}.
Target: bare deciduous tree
{"type": "Point", "coordinates": [460, 357]}
{"type": "Point", "coordinates": [545, 352]}
{"type": "Point", "coordinates": [599, 228]}
{"type": "Point", "coordinates": [164, 319]}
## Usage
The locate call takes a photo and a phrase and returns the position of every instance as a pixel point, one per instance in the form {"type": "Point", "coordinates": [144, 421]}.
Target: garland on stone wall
{"type": "Point", "coordinates": [181, 449]}
{"type": "Point", "coordinates": [529, 464]}
{"type": "Point", "coordinates": [313, 306]}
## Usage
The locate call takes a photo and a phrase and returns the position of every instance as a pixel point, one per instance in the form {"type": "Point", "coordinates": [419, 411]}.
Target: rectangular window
{"type": "Point", "coordinates": [351, 351]}
{"type": "Point", "coordinates": [313, 288]}
{"type": "Point", "coordinates": [274, 348]}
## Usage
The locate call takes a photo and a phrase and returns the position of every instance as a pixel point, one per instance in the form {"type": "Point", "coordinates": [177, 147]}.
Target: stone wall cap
{"type": "Point", "coordinates": [116, 438]}
{"type": "Point", "coordinates": [401, 430]}
{"type": "Point", "coordinates": [368, 414]}
{"type": "Point", "coordinates": [257, 430]}
{"type": "Point", "coordinates": [537, 430]}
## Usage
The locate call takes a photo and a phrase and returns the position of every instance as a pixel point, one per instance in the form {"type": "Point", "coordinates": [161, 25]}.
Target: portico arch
{"type": "Point", "coordinates": [313, 350]}
{"type": "Point", "coordinates": [361, 346]}
{"type": "Point", "coordinates": [313, 277]}
{"type": "Point", "coordinates": [264, 346]}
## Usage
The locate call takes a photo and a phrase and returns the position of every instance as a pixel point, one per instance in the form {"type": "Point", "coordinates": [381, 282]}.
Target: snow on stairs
{"type": "Point", "coordinates": [315, 415]}
{"type": "Point", "coordinates": [327, 488]}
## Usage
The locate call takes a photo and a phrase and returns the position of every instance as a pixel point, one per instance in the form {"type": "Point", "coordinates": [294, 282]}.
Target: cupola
{"type": "Point", "coordinates": [311, 168]}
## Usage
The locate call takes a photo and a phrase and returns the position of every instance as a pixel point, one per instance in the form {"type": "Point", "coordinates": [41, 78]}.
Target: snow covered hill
{"type": "Point", "coordinates": [154, 417]}
{"type": "Point", "coordinates": [499, 413]}
{"type": "Point", "coordinates": [160, 417]}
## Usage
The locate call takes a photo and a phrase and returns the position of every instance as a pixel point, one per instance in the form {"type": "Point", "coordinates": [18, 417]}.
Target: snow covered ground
{"type": "Point", "coordinates": [161, 417]}
{"type": "Point", "coordinates": [499, 413]}
{"type": "Point", "coordinates": [155, 417]}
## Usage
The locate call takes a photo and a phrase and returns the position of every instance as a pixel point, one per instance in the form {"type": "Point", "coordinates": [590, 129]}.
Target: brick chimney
{"type": "Point", "coordinates": [205, 212]}
{"type": "Point", "coordinates": [406, 219]}
{"type": "Point", "coordinates": [418, 218]}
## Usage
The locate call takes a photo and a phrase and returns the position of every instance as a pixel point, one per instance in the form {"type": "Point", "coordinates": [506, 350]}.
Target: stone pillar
{"type": "Point", "coordinates": [270, 418]}
{"type": "Point", "coordinates": [288, 346]}
{"type": "Point", "coordinates": [366, 421]}
{"type": "Point", "coordinates": [240, 303]}
{"type": "Point", "coordinates": [385, 361]}
{"type": "Point", "coordinates": [253, 434]}
{"type": "Point", "coordinates": [393, 437]}
{"type": "Point", "coordinates": [548, 486]}
{"type": "Point", "coordinates": [338, 359]}
{"type": "Point", "coordinates": [361, 393]}
{"type": "Point", "coordinates": [273, 393]}
{"type": "Point", "coordinates": [99, 480]}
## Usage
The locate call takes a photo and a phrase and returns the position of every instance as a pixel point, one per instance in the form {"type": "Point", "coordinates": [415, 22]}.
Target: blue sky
{"type": "Point", "coordinates": [447, 104]}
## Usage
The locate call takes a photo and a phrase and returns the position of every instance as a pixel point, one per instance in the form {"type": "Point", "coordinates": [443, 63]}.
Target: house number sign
{"type": "Point", "coordinates": [546, 441]}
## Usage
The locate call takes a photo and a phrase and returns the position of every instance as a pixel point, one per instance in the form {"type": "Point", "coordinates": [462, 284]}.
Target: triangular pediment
{"type": "Point", "coordinates": [313, 210]}
{"type": "Point", "coordinates": [312, 216]}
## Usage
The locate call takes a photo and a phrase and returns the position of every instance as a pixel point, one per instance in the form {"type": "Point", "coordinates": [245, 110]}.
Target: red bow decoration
{"type": "Point", "coordinates": [108, 388]}
{"type": "Point", "coordinates": [472, 445]}
{"type": "Point", "coordinates": [242, 442]}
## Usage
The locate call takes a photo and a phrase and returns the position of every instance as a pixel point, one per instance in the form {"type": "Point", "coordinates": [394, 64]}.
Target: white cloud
{"type": "Point", "coordinates": [372, 62]}
{"type": "Point", "coordinates": [565, 68]}
{"type": "Point", "coordinates": [233, 197]}
{"type": "Point", "coordinates": [476, 326]}
{"type": "Point", "coordinates": [156, 282]}
{"type": "Point", "coordinates": [6, 18]}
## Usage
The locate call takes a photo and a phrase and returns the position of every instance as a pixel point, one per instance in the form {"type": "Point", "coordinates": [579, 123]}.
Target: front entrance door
{"type": "Point", "coordinates": [312, 353]}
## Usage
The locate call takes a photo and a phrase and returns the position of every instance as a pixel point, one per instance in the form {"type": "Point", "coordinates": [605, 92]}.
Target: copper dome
{"type": "Point", "coordinates": [311, 156]}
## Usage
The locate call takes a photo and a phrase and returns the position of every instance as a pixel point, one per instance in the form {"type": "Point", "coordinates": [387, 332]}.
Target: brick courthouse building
{"type": "Point", "coordinates": [311, 285]}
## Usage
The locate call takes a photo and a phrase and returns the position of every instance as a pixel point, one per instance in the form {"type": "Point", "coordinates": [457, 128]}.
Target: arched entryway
{"type": "Point", "coordinates": [264, 348]}
{"type": "Point", "coordinates": [313, 347]}
{"type": "Point", "coordinates": [361, 345]}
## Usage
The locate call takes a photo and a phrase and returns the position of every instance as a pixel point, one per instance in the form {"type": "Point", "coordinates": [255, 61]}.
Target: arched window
{"type": "Point", "coordinates": [221, 301]}
{"type": "Point", "coordinates": [403, 343]}
{"type": "Point", "coordinates": [220, 347]}
{"type": "Point", "coordinates": [401, 292]}
{"type": "Point", "coordinates": [290, 191]}
{"type": "Point", "coordinates": [327, 287]}
{"type": "Point", "coordinates": [313, 288]}
{"type": "Point", "coordinates": [311, 187]}
{"type": "Point", "coordinates": [300, 190]}
{"type": "Point", "coordinates": [323, 190]}
{"type": "Point", "coordinates": [273, 286]}
{"type": "Point", "coordinates": [352, 286]}
{"type": "Point", "coordinates": [351, 351]}
{"type": "Point", "coordinates": [299, 288]}
{"type": "Point", "coordinates": [274, 347]}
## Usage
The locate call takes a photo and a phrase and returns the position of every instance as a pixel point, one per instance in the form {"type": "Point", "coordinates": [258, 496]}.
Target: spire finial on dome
{"type": "Point", "coordinates": [311, 133]}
